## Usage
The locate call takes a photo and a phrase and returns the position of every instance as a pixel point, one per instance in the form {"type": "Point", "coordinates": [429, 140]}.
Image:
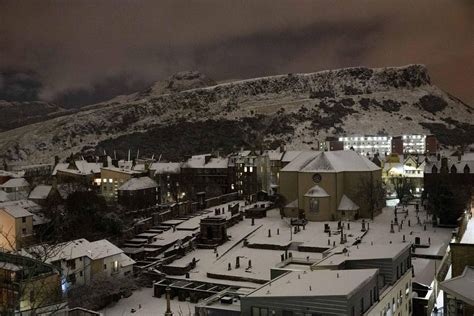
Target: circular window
{"type": "Point", "coordinates": [317, 178]}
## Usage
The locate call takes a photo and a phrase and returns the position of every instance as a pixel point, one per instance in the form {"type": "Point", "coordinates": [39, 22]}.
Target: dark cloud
{"type": "Point", "coordinates": [16, 85]}
{"type": "Point", "coordinates": [82, 49]}
{"type": "Point", "coordinates": [100, 91]}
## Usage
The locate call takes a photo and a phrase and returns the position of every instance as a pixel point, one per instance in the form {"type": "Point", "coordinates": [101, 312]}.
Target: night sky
{"type": "Point", "coordinates": [79, 52]}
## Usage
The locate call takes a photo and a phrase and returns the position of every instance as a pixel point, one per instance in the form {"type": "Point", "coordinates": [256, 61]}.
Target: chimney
{"type": "Point", "coordinates": [444, 163]}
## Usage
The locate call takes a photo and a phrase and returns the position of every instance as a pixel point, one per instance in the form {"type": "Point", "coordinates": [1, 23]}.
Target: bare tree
{"type": "Point", "coordinates": [403, 187]}
{"type": "Point", "coordinates": [372, 193]}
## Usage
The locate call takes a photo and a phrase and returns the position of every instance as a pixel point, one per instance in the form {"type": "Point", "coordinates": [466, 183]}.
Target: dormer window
{"type": "Point", "coordinates": [434, 169]}
{"type": "Point", "coordinates": [467, 169]}
{"type": "Point", "coordinates": [454, 169]}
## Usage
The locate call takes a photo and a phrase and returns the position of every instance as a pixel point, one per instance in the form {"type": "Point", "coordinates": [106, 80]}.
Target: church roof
{"type": "Point", "coordinates": [316, 191]}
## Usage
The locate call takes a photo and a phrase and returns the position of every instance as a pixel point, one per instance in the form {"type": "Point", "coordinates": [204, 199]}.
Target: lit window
{"type": "Point", "coordinates": [116, 266]}
{"type": "Point", "coordinates": [111, 180]}
{"type": "Point", "coordinates": [245, 169]}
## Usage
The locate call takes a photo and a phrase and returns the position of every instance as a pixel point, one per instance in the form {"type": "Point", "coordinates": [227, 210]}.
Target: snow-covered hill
{"type": "Point", "coordinates": [15, 113]}
{"type": "Point", "coordinates": [189, 113]}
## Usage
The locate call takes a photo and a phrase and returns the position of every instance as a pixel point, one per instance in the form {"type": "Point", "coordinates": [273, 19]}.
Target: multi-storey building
{"type": "Point", "coordinates": [168, 176]}
{"type": "Point", "coordinates": [139, 193]}
{"type": "Point", "coordinates": [206, 173]}
{"type": "Point", "coordinates": [251, 172]}
{"type": "Point", "coordinates": [28, 286]}
{"type": "Point", "coordinates": [111, 178]}
{"type": "Point", "coordinates": [384, 145]}
{"type": "Point", "coordinates": [16, 227]}
{"type": "Point", "coordinates": [367, 280]}
{"type": "Point", "coordinates": [80, 260]}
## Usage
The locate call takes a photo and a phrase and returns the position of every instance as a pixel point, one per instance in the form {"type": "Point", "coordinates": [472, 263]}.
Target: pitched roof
{"type": "Point", "coordinates": [275, 155]}
{"type": "Point", "coordinates": [4, 196]}
{"type": "Point", "coordinates": [347, 204]}
{"type": "Point", "coordinates": [15, 211]}
{"type": "Point", "coordinates": [330, 161]}
{"type": "Point", "coordinates": [40, 192]}
{"type": "Point", "coordinates": [316, 191]}
{"type": "Point", "coordinates": [459, 165]}
{"type": "Point", "coordinates": [461, 287]}
{"type": "Point", "coordinates": [81, 167]}
{"type": "Point", "coordinates": [82, 248]}
{"type": "Point", "coordinates": [138, 184]}
{"type": "Point", "coordinates": [290, 155]}
{"type": "Point", "coordinates": [15, 183]}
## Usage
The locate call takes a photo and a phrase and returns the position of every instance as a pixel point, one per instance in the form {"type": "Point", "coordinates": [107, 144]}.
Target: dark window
{"type": "Point", "coordinates": [105, 266]}
{"type": "Point", "coordinates": [454, 169]}
{"type": "Point", "coordinates": [434, 169]}
{"type": "Point", "coordinates": [23, 219]}
{"type": "Point", "coordinates": [467, 169]}
{"type": "Point", "coordinates": [71, 278]}
{"type": "Point", "coordinates": [71, 264]}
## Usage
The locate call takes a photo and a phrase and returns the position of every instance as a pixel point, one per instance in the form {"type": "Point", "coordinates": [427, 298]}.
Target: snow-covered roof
{"type": "Point", "coordinates": [15, 211]}
{"type": "Point", "coordinates": [4, 196]}
{"type": "Point", "coordinates": [468, 236]}
{"type": "Point", "coordinates": [297, 283]}
{"type": "Point", "coordinates": [293, 204]}
{"type": "Point", "coordinates": [85, 167]}
{"type": "Point", "coordinates": [81, 167]}
{"type": "Point", "coordinates": [347, 204]}
{"type": "Point", "coordinates": [83, 248]}
{"type": "Point", "coordinates": [103, 248]}
{"type": "Point", "coordinates": [40, 192]}
{"type": "Point", "coordinates": [122, 170]}
{"type": "Point", "coordinates": [459, 165]}
{"type": "Point", "coordinates": [330, 161]}
{"type": "Point", "coordinates": [468, 157]}
{"type": "Point", "coordinates": [199, 161]}
{"type": "Point", "coordinates": [316, 192]}
{"type": "Point", "coordinates": [26, 204]}
{"type": "Point", "coordinates": [274, 155]}
{"type": "Point", "coordinates": [138, 184]}
{"type": "Point", "coordinates": [290, 155]}
{"type": "Point", "coordinates": [166, 167]}
{"type": "Point", "coordinates": [139, 167]}
{"type": "Point", "coordinates": [366, 252]}
{"type": "Point", "coordinates": [15, 183]}
{"type": "Point", "coordinates": [461, 287]}
{"type": "Point", "coordinates": [59, 166]}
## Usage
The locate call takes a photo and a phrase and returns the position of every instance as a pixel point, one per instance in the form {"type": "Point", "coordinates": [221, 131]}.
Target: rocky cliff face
{"type": "Point", "coordinates": [189, 114]}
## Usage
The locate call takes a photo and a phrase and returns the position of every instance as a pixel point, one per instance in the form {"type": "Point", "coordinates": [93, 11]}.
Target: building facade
{"type": "Point", "coordinates": [327, 185]}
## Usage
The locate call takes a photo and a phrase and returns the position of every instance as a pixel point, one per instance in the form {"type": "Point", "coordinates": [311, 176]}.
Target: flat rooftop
{"type": "Point", "coordinates": [365, 252]}
{"type": "Point", "coordinates": [343, 283]}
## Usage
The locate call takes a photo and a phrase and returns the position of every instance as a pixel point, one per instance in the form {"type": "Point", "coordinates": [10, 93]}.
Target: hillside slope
{"type": "Point", "coordinates": [15, 114]}
{"type": "Point", "coordinates": [295, 109]}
